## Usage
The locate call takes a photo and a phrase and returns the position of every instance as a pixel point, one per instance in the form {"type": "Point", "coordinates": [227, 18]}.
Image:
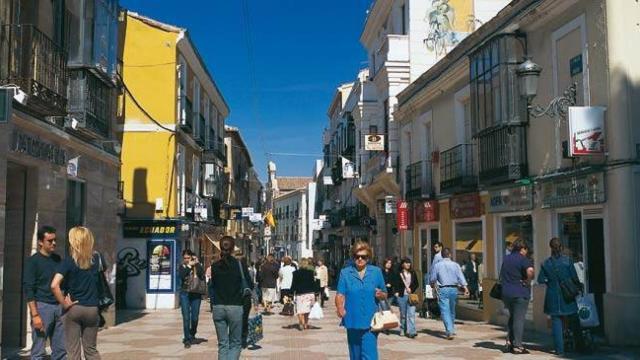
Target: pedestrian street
{"type": "Point", "coordinates": [157, 335]}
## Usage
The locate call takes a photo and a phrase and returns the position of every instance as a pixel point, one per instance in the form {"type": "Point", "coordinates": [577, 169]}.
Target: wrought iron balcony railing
{"type": "Point", "coordinates": [419, 180]}
{"type": "Point", "coordinates": [457, 169]}
{"type": "Point", "coordinates": [502, 154]}
{"type": "Point", "coordinates": [92, 102]}
{"type": "Point", "coordinates": [201, 138]}
{"type": "Point", "coordinates": [33, 62]}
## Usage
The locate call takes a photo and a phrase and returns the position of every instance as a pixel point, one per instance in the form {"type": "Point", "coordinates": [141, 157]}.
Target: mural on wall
{"type": "Point", "coordinates": [129, 260]}
{"type": "Point", "coordinates": [444, 32]}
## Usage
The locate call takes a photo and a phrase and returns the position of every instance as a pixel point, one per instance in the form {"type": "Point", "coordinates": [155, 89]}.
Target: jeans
{"type": "Point", "coordinates": [81, 332]}
{"type": "Point", "coordinates": [448, 296]}
{"type": "Point", "coordinates": [190, 306]}
{"type": "Point", "coordinates": [407, 315]}
{"type": "Point", "coordinates": [363, 344]}
{"type": "Point", "coordinates": [227, 320]}
{"type": "Point", "coordinates": [517, 311]}
{"type": "Point", "coordinates": [51, 316]}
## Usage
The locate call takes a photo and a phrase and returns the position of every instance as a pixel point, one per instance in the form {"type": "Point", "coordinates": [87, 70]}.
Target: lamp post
{"type": "Point", "coordinates": [528, 74]}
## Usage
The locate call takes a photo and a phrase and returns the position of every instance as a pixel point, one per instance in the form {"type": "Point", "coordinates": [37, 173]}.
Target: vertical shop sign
{"type": "Point", "coordinates": [403, 215]}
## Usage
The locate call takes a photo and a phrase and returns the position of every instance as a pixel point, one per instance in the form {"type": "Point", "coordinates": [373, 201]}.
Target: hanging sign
{"type": "Point", "coordinates": [426, 211]}
{"type": "Point", "coordinates": [402, 215]}
{"type": "Point", "coordinates": [374, 142]}
{"type": "Point", "coordinates": [247, 211]}
{"type": "Point", "coordinates": [586, 130]}
{"type": "Point", "coordinates": [389, 205]}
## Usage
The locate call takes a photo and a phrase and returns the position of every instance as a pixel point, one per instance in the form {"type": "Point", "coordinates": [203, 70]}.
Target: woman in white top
{"type": "Point", "coordinates": [286, 277]}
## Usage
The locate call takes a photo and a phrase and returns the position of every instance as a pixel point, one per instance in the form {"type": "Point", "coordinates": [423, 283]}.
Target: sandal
{"type": "Point", "coordinates": [520, 350]}
{"type": "Point", "coordinates": [508, 347]}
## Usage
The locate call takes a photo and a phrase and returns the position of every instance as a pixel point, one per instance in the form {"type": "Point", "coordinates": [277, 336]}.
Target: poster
{"type": "Point", "coordinates": [586, 130]}
{"type": "Point", "coordinates": [161, 255]}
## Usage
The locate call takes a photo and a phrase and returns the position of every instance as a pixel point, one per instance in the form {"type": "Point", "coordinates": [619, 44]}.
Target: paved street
{"type": "Point", "coordinates": [157, 335]}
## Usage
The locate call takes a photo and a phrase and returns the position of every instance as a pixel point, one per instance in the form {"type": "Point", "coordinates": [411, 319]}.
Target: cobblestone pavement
{"type": "Point", "coordinates": [157, 335]}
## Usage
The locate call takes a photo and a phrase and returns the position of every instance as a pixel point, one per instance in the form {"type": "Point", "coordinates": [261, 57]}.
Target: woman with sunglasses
{"type": "Point", "coordinates": [360, 287]}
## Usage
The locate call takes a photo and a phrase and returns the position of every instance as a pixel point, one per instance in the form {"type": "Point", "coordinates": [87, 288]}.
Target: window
{"type": "Point", "coordinates": [386, 126]}
{"type": "Point", "coordinates": [195, 175]}
{"type": "Point", "coordinates": [76, 193]}
{"type": "Point", "coordinates": [469, 254]}
{"type": "Point", "coordinates": [207, 123]}
{"type": "Point", "coordinates": [196, 108]}
{"type": "Point", "coordinates": [180, 181]}
{"type": "Point", "coordinates": [403, 16]}
{"type": "Point", "coordinates": [495, 99]}
{"type": "Point", "coordinates": [182, 90]}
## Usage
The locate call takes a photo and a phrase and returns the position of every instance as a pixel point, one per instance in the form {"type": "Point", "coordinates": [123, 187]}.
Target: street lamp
{"type": "Point", "coordinates": [528, 74]}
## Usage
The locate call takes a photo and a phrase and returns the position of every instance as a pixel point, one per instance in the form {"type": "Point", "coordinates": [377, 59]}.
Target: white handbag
{"type": "Point", "coordinates": [384, 319]}
{"type": "Point", "coordinates": [587, 311]}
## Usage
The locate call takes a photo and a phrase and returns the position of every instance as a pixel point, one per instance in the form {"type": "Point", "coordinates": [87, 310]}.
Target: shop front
{"type": "Point", "coordinates": [426, 232]}
{"type": "Point", "coordinates": [578, 218]}
{"type": "Point", "coordinates": [469, 248]}
{"type": "Point", "coordinates": [149, 255]}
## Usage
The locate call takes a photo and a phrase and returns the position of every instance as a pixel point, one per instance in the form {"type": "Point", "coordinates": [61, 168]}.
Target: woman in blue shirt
{"type": "Point", "coordinates": [360, 287]}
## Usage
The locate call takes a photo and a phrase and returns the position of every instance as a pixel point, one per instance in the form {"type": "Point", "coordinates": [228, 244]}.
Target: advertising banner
{"type": "Point", "coordinates": [161, 255]}
{"type": "Point", "coordinates": [586, 130]}
{"type": "Point", "coordinates": [403, 215]}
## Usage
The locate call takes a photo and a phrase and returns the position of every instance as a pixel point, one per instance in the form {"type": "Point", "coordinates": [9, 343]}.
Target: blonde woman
{"type": "Point", "coordinates": [79, 272]}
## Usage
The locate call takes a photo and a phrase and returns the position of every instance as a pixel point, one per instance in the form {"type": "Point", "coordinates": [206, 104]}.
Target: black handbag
{"type": "Point", "coordinates": [496, 291]}
{"type": "Point", "coordinates": [105, 298]}
{"type": "Point", "coordinates": [195, 285]}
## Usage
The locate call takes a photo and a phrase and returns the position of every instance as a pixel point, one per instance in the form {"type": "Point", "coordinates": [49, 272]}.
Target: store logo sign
{"type": "Point", "coordinates": [512, 199]}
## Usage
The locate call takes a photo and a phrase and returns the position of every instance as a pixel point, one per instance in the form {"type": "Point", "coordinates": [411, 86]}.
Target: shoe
{"type": "Point", "coordinates": [187, 345]}
{"type": "Point", "coordinates": [450, 337]}
{"type": "Point", "coordinates": [413, 336]}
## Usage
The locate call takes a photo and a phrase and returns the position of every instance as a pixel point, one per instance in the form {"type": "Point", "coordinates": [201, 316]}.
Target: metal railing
{"type": "Point", "coordinates": [457, 169]}
{"type": "Point", "coordinates": [502, 153]}
{"type": "Point", "coordinates": [32, 61]}
{"type": "Point", "coordinates": [92, 101]}
{"type": "Point", "coordinates": [202, 133]}
{"type": "Point", "coordinates": [419, 180]}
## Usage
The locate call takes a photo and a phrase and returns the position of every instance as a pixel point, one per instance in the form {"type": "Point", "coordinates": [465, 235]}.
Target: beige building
{"type": "Point", "coordinates": [59, 161]}
{"type": "Point", "coordinates": [481, 169]}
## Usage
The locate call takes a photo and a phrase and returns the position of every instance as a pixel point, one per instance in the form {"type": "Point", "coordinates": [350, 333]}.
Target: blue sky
{"type": "Point", "coordinates": [302, 50]}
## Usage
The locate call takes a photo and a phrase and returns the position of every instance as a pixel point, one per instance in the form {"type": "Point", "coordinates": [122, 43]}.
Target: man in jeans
{"type": "Point", "coordinates": [446, 276]}
{"type": "Point", "coordinates": [46, 313]}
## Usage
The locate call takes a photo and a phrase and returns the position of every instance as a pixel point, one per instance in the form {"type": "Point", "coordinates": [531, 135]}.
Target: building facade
{"type": "Point", "coordinates": [59, 161]}
{"type": "Point", "coordinates": [173, 157]}
{"type": "Point", "coordinates": [490, 166]}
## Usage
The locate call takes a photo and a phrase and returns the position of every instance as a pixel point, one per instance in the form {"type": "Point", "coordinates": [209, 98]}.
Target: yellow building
{"type": "Point", "coordinates": [173, 155]}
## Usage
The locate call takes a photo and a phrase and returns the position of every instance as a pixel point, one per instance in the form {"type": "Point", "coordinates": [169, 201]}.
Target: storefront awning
{"type": "Point", "coordinates": [474, 246]}
{"type": "Point", "coordinates": [216, 244]}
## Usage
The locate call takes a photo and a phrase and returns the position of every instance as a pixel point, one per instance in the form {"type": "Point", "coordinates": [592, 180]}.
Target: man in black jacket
{"type": "Point", "coordinates": [46, 313]}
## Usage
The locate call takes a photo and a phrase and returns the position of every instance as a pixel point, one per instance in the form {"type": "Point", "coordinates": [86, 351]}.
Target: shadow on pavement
{"type": "Point", "coordinates": [435, 333]}
{"type": "Point", "coordinates": [125, 316]}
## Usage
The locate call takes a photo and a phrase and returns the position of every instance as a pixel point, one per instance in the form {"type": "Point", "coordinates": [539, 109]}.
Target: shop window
{"type": "Point", "coordinates": [570, 234]}
{"type": "Point", "coordinates": [470, 255]}
{"type": "Point", "coordinates": [76, 194]}
{"type": "Point", "coordinates": [515, 228]}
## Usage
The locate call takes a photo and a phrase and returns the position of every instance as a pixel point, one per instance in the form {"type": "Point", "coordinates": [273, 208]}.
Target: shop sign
{"type": "Point", "coordinates": [389, 205]}
{"type": "Point", "coordinates": [402, 215]}
{"type": "Point", "coordinates": [576, 190]}
{"type": "Point", "coordinates": [247, 211]}
{"type": "Point", "coordinates": [426, 211]}
{"type": "Point", "coordinates": [33, 146]}
{"type": "Point", "coordinates": [586, 130]}
{"type": "Point", "coordinates": [512, 199]}
{"type": "Point", "coordinates": [374, 142]}
{"type": "Point", "coordinates": [466, 206]}
{"type": "Point", "coordinates": [150, 229]}
{"type": "Point", "coordinates": [161, 255]}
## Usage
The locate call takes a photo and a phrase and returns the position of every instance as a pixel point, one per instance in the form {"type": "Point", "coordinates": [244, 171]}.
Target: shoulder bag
{"type": "Point", "coordinates": [384, 319]}
{"type": "Point", "coordinates": [105, 298]}
{"type": "Point", "coordinates": [195, 285]}
{"type": "Point", "coordinates": [496, 289]}
{"type": "Point", "coordinates": [568, 288]}
{"type": "Point", "coordinates": [246, 289]}
{"type": "Point", "coordinates": [413, 298]}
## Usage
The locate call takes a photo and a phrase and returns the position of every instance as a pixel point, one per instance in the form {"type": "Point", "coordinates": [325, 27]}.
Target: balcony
{"type": "Point", "coordinates": [92, 103]}
{"type": "Point", "coordinates": [355, 215]}
{"type": "Point", "coordinates": [395, 49]}
{"type": "Point", "coordinates": [502, 154]}
{"type": "Point", "coordinates": [457, 169]}
{"type": "Point", "coordinates": [32, 61]}
{"type": "Point", "coordinates": [419, 180]}
{"type": "Point", "coordinates": [186, 122]}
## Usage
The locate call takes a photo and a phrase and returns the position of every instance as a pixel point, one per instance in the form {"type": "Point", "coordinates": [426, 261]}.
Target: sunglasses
{"type": "Point", "coordinates": [361, 257]}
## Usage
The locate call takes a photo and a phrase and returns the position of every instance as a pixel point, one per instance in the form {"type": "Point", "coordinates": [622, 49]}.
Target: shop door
{"type": "Point", "coordinates": [14, 315]}
{"type": "Point", "coordinates": [595, 263]}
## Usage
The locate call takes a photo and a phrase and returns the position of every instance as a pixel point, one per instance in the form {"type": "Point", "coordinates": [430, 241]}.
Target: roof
{"type": "Point", "coordinates": [234, 131]}
{"type": "Point", "coordinates": [288, 183]}
{"type": "Point", "coordinates": [155, 23]}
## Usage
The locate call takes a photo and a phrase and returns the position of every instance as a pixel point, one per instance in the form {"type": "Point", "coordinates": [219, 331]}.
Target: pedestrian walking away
{"type": "Point", "coordinates": [268, 278]}
{"type": "Point", "coordinates": [228, 290]}
{"type": "Point", "coordinates": [305, 287]}
{"type": "Point", "coordinates": [406, 285]}
{"type": "Point", "coordinates": [515, 276]}
{"type": "Point", "coordinates": [79, 274]}
{"type": "Point", "coordinates": [446, 277]}
{"type": "Point", "coordinates": [360, 287]}
{"type": "Point", "coordinates": [556, 271]}
{"type": "Point", "coordinates": [46, 312]}
{"type": "Point", "coordinates": [190, 271]}
{"type": "Point", "coordinates": [286, 277]}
